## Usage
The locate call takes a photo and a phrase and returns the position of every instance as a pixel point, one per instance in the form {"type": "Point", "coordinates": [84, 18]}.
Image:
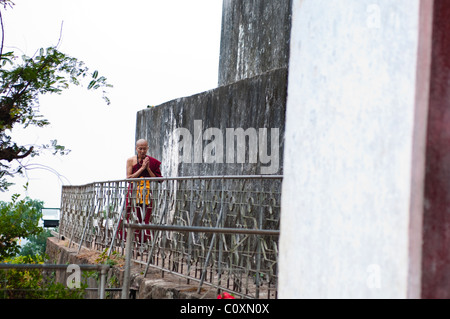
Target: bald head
{"type": "Point", "coordinates": [141, 142]}
{"type": "Point", "coordinates": [141, 148]}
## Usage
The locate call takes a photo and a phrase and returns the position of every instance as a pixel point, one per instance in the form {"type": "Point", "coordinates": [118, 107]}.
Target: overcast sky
{"type": "Point", "coordinates": [152, 51]}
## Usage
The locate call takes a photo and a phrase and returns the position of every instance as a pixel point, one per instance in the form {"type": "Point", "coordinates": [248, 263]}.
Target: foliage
{"type": "Point", "coordinates": [113, 260]}
{"type": "Point", "coordinates": [22, 82]}
{"type": "Point", "coordinates": [18, 219]}
{"type": "Point", "coordinates": [36, 244]}
{"type": "Point", "coordinates": [25, 282]}
{"type": "Point", "coordinates": [33, 284]}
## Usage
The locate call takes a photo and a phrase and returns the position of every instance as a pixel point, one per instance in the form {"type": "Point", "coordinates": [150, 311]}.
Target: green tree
{"type": "Point", "coordinates": [18, 219]}
{"type": "Point", "coordinates": [36, 244]}
{"type": "Point", "coordinates": [34, 283]}
{"type": "Point", "coordinates": [22, 81]}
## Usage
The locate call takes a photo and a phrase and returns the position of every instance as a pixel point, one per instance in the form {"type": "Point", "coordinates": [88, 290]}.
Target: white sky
{"type": "Point", "coordinates": [152, 51]}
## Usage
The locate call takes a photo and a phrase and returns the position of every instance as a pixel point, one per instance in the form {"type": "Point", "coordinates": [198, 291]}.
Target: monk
{"type": "Point", "coordinates": [141, 166]}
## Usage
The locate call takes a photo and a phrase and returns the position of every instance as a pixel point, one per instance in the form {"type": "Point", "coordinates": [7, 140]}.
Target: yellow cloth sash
{"type": "Point", "coordinates": [141, 189]}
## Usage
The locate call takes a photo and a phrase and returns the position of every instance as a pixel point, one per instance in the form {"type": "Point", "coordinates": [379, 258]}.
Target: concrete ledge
{"type": "Point", "coordinates": [153, 286]}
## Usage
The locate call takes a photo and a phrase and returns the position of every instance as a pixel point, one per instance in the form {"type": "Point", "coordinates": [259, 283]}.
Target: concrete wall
{"type": "Point", "coordinates": [255, 38]}
{"type": "Point", "coordinates": [251, 96]}
{"type": "Point", "coordinates": [354, 160]}
{"type": "Point", "coordinates": [257, 103]}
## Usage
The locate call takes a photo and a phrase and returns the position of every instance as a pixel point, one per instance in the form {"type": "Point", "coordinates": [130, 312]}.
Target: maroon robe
{"type": "Point", "coordinates": [155, 168]}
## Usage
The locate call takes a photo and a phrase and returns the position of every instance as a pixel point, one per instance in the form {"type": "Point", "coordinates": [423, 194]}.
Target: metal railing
{"type": "Point", "coordinates": [220, 231]}
{"type": "Point", "coordinates": [101, 269]}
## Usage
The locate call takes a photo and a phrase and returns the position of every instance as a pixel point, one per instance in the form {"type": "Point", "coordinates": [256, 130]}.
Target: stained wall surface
{"type": "Point", "coordinates": [354, 149]}
{"type": "Point", "coordinates": [250, 100]}
{"type": "Point", "coordinates": [190, 134]}
{"type": "Point", "coordinates": [255, 38]}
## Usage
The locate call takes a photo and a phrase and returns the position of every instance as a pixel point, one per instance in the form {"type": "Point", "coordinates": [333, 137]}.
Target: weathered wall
{"type": "Point", "coordinates": [258, 102]}
{"type": "Point", "coordinates": [251, 96]}
{"type": "Point", "coordinates": [354, 159]}
{"type": "Point", "coordinates": [255, 38]}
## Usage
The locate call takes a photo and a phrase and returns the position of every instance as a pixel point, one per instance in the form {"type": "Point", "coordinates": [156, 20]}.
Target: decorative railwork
{"type": "Point", "coordinates": [243, 263]}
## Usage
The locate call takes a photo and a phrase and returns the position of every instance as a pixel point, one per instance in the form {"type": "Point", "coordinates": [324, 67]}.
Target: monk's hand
{"type": "Point", "coordinates": [145, 162]}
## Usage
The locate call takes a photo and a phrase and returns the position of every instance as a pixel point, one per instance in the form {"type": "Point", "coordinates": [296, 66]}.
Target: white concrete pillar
{"type": "Point", "coordinates": [354, 149]}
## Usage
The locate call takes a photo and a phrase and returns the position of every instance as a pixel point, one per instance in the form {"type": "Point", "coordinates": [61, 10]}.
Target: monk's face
{"type": "Point", "coordinates": [141, 149]}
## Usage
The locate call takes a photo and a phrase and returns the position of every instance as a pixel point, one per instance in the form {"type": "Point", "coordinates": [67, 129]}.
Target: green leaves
{"type": "Point", "coordinates": [56, 148]}
{"type": "Point", "coordinates": [18, 219]}
{"type": "Point", "coordinates": [21, 84]}
{"type": "Point", "coordinates": [6, 58]}
{"type": "Point", "coordinates": [33, 284]}
{"type": "Point", "coordinates": [91, 84]}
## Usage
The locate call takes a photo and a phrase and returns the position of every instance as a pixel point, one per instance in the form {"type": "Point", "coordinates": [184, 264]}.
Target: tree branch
{"type": "Point", "coordinates": [3, 34]}
{"type": "Point", "coordinates": [9, 154]}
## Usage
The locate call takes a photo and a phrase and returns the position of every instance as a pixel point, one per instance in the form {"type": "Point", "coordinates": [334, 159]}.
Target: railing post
{"type": "Point", "coordinates": [107, 192]}
{"type": "Point", "coordinates": [213, 239]}
{"type": "Point", "coordinates": [62, 213]}
{"type": "Point", "coordinates": [116, 229]}
{"type": "Point", "coordinates": [155, 236]}
{"type": "Point", "coordinates": [221, 236]}
{"type": "Point", "coordinates": [104, 273]}
{"type": "Point", "coordinates": [258, 244]}
{"type": "Point", "coordinates": [88, 219]}
{"type": "Point", "coordinates": [127, 273]}
{"type": "Point", "coordinates": [72, 234]}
